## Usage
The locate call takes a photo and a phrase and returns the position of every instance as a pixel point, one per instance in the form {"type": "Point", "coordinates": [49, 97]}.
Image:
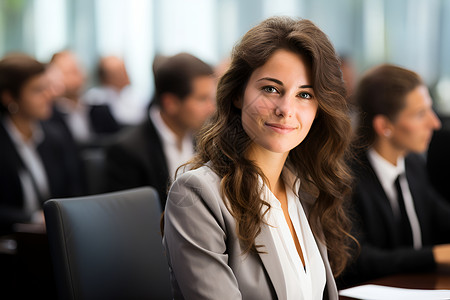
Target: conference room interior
{"type": "Point", "coordinates": [413, 34]}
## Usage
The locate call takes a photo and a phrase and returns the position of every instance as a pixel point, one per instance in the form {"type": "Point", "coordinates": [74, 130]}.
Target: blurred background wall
{"type": "Point", "coordinates": [411, 33]}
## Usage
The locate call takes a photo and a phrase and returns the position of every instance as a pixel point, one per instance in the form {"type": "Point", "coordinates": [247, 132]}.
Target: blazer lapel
{"type": "Point", "coordinates": [271, 262]}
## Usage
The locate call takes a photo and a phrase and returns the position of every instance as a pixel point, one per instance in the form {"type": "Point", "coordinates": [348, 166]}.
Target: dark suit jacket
{"type": "Point", "coordinates": [138, 159]}
{"type": "Point", "coordinates": [62, 168]}
{"type": "Point", "coordinates": [375, 227]}
{"type": "Point", "coordinates": [101, 122]}
{"type": "Point", "coordinates": [438, 162]}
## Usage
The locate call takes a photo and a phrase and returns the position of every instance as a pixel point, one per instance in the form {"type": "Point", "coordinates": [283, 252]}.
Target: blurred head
{"type": "Point", "coordinates": [56, 81]}
{"type": "Point", "coordinates": [396, 108]}
{"type": "Point", "coordinates": [24, 88]}
{"type": "Point", "coordinates": [73, 77]}
{"type": "Point", "coordinates": [184, 90]}
{"type": "Point", "coordinates": [112, 72]}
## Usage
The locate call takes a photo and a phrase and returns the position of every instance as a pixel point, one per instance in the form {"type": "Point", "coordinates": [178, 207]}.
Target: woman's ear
{"type": "Point", "coordinates": [6, 98]}
{"type": "Point", "coordinates": [382, 126]}
{"type": "Point", "coordinates": [237, 103]}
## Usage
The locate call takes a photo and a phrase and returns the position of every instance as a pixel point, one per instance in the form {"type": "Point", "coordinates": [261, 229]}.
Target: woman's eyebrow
{"type": "Point", "coordinates": [306, 86]}
{"type": "Point", "coordinates": [271, 79]}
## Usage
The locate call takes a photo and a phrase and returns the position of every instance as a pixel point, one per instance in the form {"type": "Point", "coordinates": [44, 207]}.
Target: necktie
{"type": "Point", "coordinates": [403, 222]}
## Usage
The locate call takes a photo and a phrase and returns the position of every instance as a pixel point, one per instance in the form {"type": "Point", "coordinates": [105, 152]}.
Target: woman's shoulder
{"type": "Point", "coordinates": [200, 175]}
{"type": "Point", "coordinates": [197, 184]}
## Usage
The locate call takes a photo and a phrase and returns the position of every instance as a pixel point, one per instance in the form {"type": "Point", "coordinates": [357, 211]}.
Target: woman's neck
{"type": "Point", "coordinates": [23, 125]}
{"type": "Point", "coordinates": [271, 164]}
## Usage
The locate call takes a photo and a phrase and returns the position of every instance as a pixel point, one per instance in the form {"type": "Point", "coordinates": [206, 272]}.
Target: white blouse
{"type": "Point", "coordinates": [306, 282]}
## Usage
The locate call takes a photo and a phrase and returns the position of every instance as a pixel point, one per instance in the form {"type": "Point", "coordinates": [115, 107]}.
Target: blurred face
{"type": "Point", "coordinates": [116, 73]}
{"type": "Point", "coordinates": [35, 100]}
{"type": "Point", "coordinates": [73, 77]}
{"type": "Point", "coordinates": [279, 104]}
{"type": "Point", "coordinates": [198, 106]}
{"type": "Point", "coordinates": [414, 125]}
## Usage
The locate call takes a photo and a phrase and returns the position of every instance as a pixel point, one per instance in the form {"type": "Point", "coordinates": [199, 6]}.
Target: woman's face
{"type": "Point", "coordinates": [35, 99]}
{"type": "Point", "coordinates": [279, 105]}
{"type": "Point", "coordinates": [414, 125]}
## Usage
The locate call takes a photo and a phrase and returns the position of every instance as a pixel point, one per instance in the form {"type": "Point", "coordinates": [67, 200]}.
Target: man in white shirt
{"type": "Point", "coordinates": [114, 102]}
{"type": "Point", "coordinates": [69, 111]}
{"type": "Point", "coordinates": [150, 153]}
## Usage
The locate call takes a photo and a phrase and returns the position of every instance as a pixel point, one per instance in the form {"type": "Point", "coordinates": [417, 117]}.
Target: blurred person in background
{"type": "Point", "coordinates": [113, 103]}
{"type": "Point", "coordinates": [401, 222]}
{"type": "Point", "coordinates": [438, 162]}
{"type": "Point", "coordinates": [35, 163]}
{"type": "Point", "coordinates": [69, 111]}
{"type": "Point", "coordinates": [150, 153]}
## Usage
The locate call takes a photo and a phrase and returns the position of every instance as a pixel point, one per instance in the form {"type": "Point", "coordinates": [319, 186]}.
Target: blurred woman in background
{"type": "Point", "coordinates": [34, 161]}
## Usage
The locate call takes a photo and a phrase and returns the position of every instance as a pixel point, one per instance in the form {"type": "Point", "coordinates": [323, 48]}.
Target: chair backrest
{"type": "Point", "coordinates": [108, 246]}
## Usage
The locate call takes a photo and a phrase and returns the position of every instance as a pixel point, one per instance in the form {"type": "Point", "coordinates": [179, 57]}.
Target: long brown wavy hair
{"type": "Point", "coordinates": [318, 161]}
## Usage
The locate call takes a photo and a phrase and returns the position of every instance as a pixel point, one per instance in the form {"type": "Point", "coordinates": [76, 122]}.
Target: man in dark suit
{"type": "Point", "coordinates": [69, 112]}
{"type": "Point", "coordinates": [114, 103]}
{"type": "Point", "coordinates": [150, 153]}
{"type": "Point", "coordinates": [438, 162]}
{"type": "Point", "coordinates": [401, 222]}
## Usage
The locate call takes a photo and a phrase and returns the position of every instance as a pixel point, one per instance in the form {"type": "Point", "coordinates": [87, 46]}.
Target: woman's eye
{"type": "Point", "coordinates": [270, 89]}
{"type": "Point", "coordinates": [305, 95]}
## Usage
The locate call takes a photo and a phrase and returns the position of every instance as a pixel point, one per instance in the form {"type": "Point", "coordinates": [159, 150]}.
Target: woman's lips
{"type": "Point", "coordinates": [280, 128]}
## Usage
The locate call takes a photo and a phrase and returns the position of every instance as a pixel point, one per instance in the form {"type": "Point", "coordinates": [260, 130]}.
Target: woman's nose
{"type": "Point", "coordinates": [283, 107]}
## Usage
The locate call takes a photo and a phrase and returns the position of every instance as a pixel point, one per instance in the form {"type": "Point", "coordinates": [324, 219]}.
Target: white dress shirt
{"type": "Point", "coordinates": [387, 173]}
{"type": "Point", "coordinates": [302, 282]}
{"type": "Point", "coordinates": [126, 105]}
{"type": "Point", "coordinates": [174, 155]}
{"type": "Point", "coordinates": [76, 117]}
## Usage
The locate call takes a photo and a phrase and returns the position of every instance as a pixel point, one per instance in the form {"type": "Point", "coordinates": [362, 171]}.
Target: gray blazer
{"type": "Point", "coordinates": [203, 251]}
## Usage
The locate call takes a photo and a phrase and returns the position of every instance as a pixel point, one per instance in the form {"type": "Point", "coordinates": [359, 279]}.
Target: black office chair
{"type": "Point", "coordinates": [108, 246]}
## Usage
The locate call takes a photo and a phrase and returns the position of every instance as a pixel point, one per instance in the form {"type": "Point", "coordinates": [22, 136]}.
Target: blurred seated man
{"type": "Point", "coordinates": [401, 222]}
{"type": "Point", "coordinates": [35, 162]}
{"type": "Point", "coordinates": [114, 104]}
{"type": "Point", "coordinates": [69, 111]}
{"type": "Point", "coordinates": [150, 153]}
{"type": "Point", "coordinates": [438, 162]}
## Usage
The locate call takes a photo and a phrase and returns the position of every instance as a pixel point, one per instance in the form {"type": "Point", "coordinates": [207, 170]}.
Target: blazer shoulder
{"type": "Point", "coordinates": [202, 182]}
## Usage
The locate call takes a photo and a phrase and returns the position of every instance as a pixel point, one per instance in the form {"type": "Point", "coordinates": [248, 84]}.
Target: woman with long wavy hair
{"type": "Point", "coordinates": [260, 213]}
